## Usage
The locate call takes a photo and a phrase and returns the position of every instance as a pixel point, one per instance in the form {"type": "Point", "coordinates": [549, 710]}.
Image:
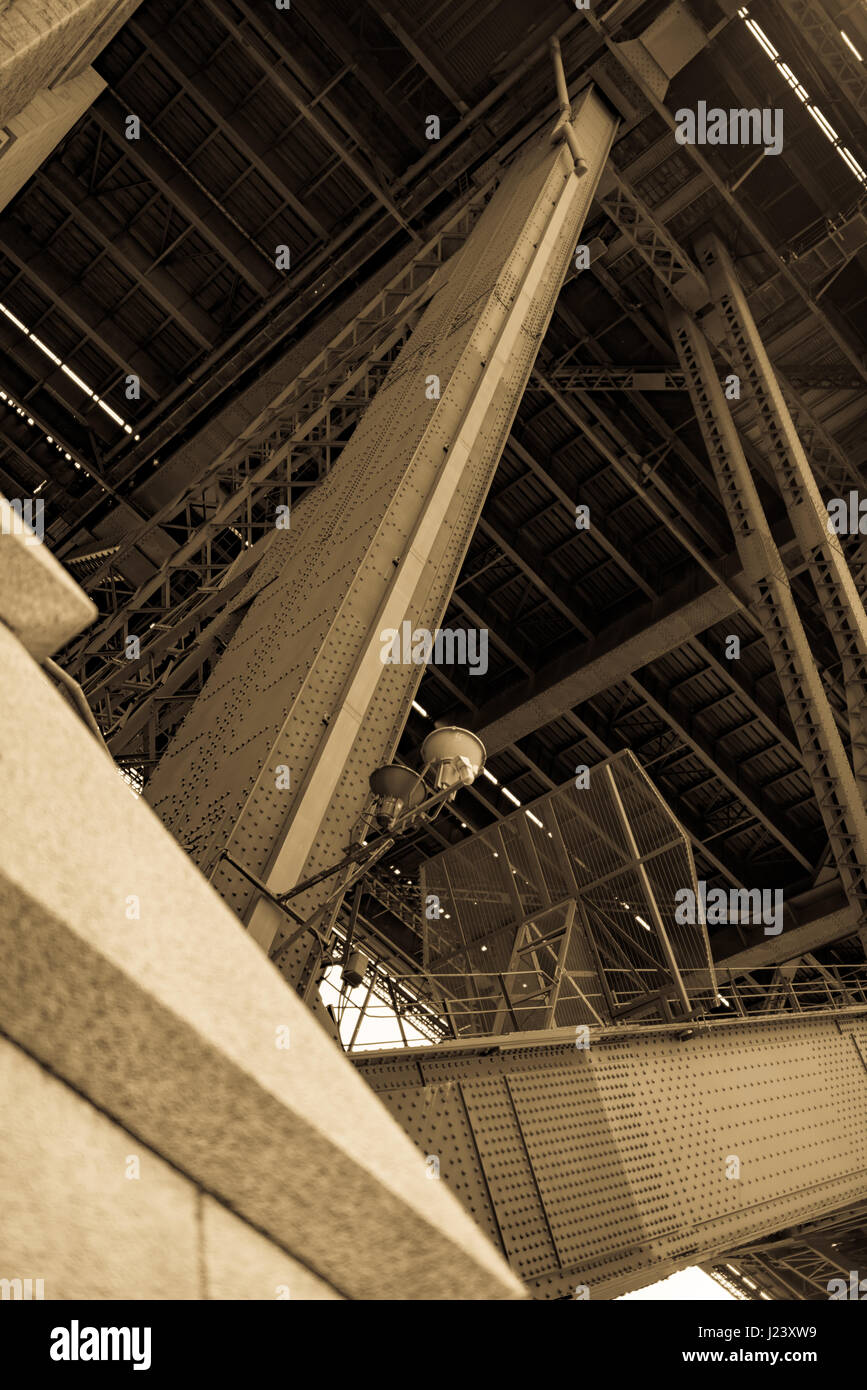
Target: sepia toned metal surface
{"type": "Point", "coordinates": [566, 909]}
{"type": "Point", "coordinates": [302, 685]}
{"type": "Point", "coordinates": [605, 1167]}
{"type": "Point", "coordinates": [841, 798]}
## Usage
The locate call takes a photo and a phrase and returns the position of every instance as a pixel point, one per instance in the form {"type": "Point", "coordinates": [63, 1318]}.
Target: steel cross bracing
{"type": "Point", "coordinates": [823, 38]}
{"type": "Point", "coordinates": [838, 331]}
{"type": "Point", "coordinates": [652, 240]}
{"type": "Point", "coordinates": [644, 230]}
{"type": "Point", "coordinates": [302, 682]}
{"type": "Point", "coordinates": [837, 791]}
{"type": "Point", "coordinates": [326, 400]}
{"type": "Point", "coordinates": [800, 1262]}
{"type": "Point", "coordinates": [642, 227]}
{"type": "Point", "coordinates": [830, 462]}
{"type": "Point", "coordinates": [681, 276]}
{"type": "Point", "coordinates": [821, 548]}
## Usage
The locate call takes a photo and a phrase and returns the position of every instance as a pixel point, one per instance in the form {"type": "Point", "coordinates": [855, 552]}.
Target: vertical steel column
{"type": "Point", "coordinates": [821, 548]}
{"type": "Point", "coordinates": [302, 684]}
{"type": "Point", "coordinates": [825, 758]}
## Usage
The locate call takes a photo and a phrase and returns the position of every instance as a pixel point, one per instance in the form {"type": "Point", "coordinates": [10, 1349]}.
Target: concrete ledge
{"type": "Point", "coordinates": [39, 601]}
{"type": "Point", "coordinates": [71, 1215]}
{"type": "Point", "coordinates": [91, 1213]}
{"type": "Point", "coordinates": [240, 1263]}
{"type": "Point", "coordinates": [169, 1020]}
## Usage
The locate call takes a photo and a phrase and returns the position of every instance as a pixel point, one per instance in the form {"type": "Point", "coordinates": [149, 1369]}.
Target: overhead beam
{"type": "Point", "coordinates": [259, 42]}
{"type": "Point", "coordinates": [648, 633]}
{"type": "Point", "coordinates": [363, 65]}
{"type": "Point", "coordinates": [158, 282]}
{"type": "Point", "coordinates": [836, 925]}
{"type": "Point", "coordinates": [175, 184]}
{"type": "Point", "coordinates": [75, 304]}
{"type": "Point", "coordinates": [420, 55]}
{"type": "Point", "coordinates": [27, 373]}
{"type": "Point", "coordinates": [194, 80]}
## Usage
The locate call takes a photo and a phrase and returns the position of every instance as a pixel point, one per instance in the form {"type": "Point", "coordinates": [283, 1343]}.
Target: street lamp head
{"type": "Point", "coordinates": [397, 789]}
{"type": "Point", "coordinates": [453, 757]}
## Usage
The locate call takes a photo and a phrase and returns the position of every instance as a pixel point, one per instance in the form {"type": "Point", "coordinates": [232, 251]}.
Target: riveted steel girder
{"type": "Point", "coordinates": [601, 1162]}
{"type": "Point", "coordinates": [837, 791]}
{"type": "Point", "coordinates": [302, 684]}
{"type": "Point", "coordinates": [821, 548]}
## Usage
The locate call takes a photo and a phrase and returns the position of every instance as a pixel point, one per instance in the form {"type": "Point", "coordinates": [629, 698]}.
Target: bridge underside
{"type": "Point", "coordinates": [599, 1169]}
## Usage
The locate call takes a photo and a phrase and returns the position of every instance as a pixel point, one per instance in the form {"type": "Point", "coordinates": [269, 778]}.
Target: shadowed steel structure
{"type": "Point", "coordinates": [302, 684]}
{"type": "Point", "coordinates": [567, 908]}
{"type": "Point", "coordinates": [432, 384]}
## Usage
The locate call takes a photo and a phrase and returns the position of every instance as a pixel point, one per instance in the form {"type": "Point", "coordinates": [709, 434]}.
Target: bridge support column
{"type": "Point", "coordinates": [825, 758]}
{"type": "Point", "coordinates": [302, 686]}
{"type": "Point", "coordinates": [821, 548]}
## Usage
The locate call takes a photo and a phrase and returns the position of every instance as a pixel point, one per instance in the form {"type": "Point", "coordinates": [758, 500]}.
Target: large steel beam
{"type": "Point", "coordinates": [173, 298]}
{"type": "Point", "coordinates": [39, 266]}
{"type": "Point", "coordinates": [794, 941]}
{"type": "Point", "coordinates": [821, 548]}
{"type": "Point", "coordinates": [600, 1168]}
{"type": "Point", "coordinates": [302, 684]}
{"type": "Point", "coordinates": [837, 791]}
{"type": "Point", "coordinates": [289, 406]}
{"type": "Point", "coordinates": [178, 186]}
{"type": "Point", "coordinates": [257, 151]}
